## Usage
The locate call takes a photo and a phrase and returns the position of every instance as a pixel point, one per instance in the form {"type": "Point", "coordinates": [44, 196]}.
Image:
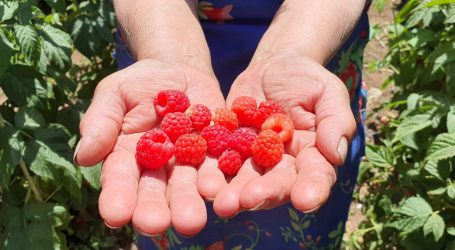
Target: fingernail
{"type": "Point", "coordinates": [144, 234]}
{"type": "Point", "coordinates": [78, 146]}
{"type": "Point", "coordinates": [111, 227]}
{"type": "Point", "coordinates": [313, 210]}
{"type": "Point", "coordinates": [343, 148]}
{"type": "Point", "coordinates": [186, 236]}
{"type": "Point", "coordinates": [261, 205]}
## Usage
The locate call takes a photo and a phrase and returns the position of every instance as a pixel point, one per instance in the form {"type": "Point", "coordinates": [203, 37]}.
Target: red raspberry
{"type": "Point", "coordinates": [153, 150]}
{"type": "Point", "coordinates": [241, 140]}
{"type": "Point", "coordinates": [244, 107]}
{"type": "Point", "coordinates": [170, 101]}
{"type": "Point", "coordinates": [230, 162]}
{"type": "Point", "coordinates": [265, 109]}
{"type": "Point", "coordinates": [226, 118]}
{"type": "Point", "coordinates": [281, 124]}
{"type": "Point", "coordinates": [176, 124]}
{"type": "Point", "coordinates": [268, 148]}
{"type": "Point", "coordinates": [190, 149]}
{"type": "Point", "coordinates": [217, 139]}
{"type": "Point", "coordinates": [200, 116]}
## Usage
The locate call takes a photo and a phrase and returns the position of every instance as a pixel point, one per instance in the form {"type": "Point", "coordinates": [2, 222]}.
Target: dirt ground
{"type": "Point", "coordinates": [375, 50]}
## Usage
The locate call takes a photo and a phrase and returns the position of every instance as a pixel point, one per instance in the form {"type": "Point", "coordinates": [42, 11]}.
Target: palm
{"type": "Point", "coordinates": [318, 104]}
{"type": "Point", "coordinates": [122, 109]}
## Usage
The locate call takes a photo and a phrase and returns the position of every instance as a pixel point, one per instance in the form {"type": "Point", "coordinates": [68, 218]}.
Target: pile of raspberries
{"type": "Point", "coordinates": [191, 132]}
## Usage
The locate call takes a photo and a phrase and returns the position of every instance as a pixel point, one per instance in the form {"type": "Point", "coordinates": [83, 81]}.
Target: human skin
{"type": "Point", "coordinates": [167, 41]}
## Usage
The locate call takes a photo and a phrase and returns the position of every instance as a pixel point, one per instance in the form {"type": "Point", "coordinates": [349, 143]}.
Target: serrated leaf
{"type": "Point", "coordinates": [10, 153]}
{"type": "Point", "coordinates": [434, 225]}
{"type": "Point", "coordinates": [412, 124]}
{"type": "Point", "coordinates": [56, 46]}
{"type": "Point", "coordinates": [379, 156]}
{"type": "Point", "coordinates": [440, 169]}
{"type": "Point", "coordinates": [443, 147]}
{"type": "Point", "coordinates": [58, 5]}
{"type": "Point", "coordinates": [415, 206]}
{"type": "Point", "coordinates": [8, 10]}
{"type": "Point", "coordinates": [57, 36]}
{"type": "Point", "coordinates": [92, 175]}
{"type": "Point", "coordinates": [409, 224]}
{"type": "Point", "coordinates": [451, 231]}
{"type": "Point", "coordinates": [29, 118]}
{"type": "Point", "coordinates": [27, 37]}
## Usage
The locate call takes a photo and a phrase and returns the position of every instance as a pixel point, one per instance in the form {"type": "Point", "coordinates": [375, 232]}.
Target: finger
{"type": "Point", "coordinates": [334, 121]}
{"type": "Point", "coordinates": [315, 178]}
{"type": "Point", "coordinates": [140, 118]}
{"type": "Point", "coordinates": [246, 84]}
{"type": "Point", "coordinates": [119, 181]}
{"type": "Point", "coordinates": [152, 215]}
{"type": "Point", "coordinates": [272, 189]}
{"type": "Point", "coordinates": [227, 201]}
{"type": "Point", "coordinates": [300, 140]}
{"type": "Point", "coordinates": [101, 123]}
{"type": "Point", "coordinates": [210, 179]}
{"type": "Point", "coordinates": [188, 211]}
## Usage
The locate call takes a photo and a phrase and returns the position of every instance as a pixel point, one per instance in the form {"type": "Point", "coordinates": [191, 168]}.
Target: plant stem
{"type": "Point", "coordinates": [53, 193]}
{"type": "Point", "coordinates": [2, 122]}
{"type": "Point", "coordinates": [30, 181]}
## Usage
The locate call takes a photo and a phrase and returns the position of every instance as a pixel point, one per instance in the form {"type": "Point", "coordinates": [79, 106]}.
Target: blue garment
{"type": "Point", "coordinates": [233, 29]}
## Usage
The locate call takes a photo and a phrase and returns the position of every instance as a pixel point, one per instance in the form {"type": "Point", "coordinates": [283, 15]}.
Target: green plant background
{"type": "Point", "coordinates": [46, 201]}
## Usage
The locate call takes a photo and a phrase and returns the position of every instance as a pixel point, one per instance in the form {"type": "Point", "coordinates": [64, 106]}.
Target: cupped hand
{"type": "Point", "coordinates": [318, 104]}
{"type": "Point", "coordinates": [121, 111]}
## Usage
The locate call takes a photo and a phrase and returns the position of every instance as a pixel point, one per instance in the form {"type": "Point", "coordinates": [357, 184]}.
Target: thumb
{"type": "Point", "coordinates": [335, 124]}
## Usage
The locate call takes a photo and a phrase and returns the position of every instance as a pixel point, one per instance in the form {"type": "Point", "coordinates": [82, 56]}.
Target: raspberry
{"type": "Point", "coordinates": [176, 124]}
{"type": "Point", "coordinates": [153, 150]}
{"type": "Point", "coordinates": [226, 118]}
{"type": "Point", "coordinates": [190, 149]}
{"type": "Point", "coordinates": [170, 101]}
{"type": "Point", "coordinates": [265, 109]}
{"type": "Point", "coordinates": [217, 139]}
{"type": "Point", "coordinates": [230, 162]}
{"type": "Point", "coordinates": [244, 107]}
{"type": "Point", "coordinates": [281, 124]}
{"type": "Point", "coordinates": [268, 148]}
{"type": "Point", "coordinates": [241, 140]}
{"type": "Point", "coordinates": [200, 116]}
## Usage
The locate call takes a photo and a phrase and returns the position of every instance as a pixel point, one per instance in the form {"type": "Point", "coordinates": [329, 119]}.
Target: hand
{"type": "Point", "coordinates": [121, 110]}
{"type": "Point", "coordinates": [318, 103]}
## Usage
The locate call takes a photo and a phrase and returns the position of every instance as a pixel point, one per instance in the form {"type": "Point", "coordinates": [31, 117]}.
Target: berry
{"type": "Point", "coordinates": [265, 109]}
{"type": "Point", "coordinates": [153, 150]}
{"type": "Point", "coordinates": [241, 140]}
{"type": "Point", "coordinates": [267, 149]}
{"type": "Point", "coordinates": [190, 149]}
{"type": "Point", "coordinates": [244, 107]}
{"type": "Point", "coordinates": [170, 101]}
{"type": "Point", "coordinates": [226, 118]}
{"type": "Point", "coordinates": [176, 124]}
{"type": "Point", "coordinates": [281, 124]}
{"type": "Point", "coordinates": [217, 138]}
{"type": "Point", "coordinates": [230, 162]}
{"type": "Point", "coordinates": [200, 116]}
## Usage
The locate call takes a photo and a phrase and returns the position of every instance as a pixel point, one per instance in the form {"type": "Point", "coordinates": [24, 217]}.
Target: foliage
{"type": "Point", "coordinates": [45, 200]}
{"type": "Point", "coordinates": [408, 179]}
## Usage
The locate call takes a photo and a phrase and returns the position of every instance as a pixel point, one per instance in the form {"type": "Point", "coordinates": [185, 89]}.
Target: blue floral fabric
{"type": "Point", "coordinates": [233, 29]}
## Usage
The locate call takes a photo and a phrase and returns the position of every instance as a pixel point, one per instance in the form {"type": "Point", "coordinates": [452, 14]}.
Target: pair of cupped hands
{"type": "Point", "coordinates": [122, 110]}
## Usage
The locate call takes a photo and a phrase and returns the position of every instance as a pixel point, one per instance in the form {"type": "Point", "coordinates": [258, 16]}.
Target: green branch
{"type": "Point", "coordinates": [30, 181]}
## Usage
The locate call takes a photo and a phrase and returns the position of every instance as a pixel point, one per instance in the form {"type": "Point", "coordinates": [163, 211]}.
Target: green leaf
{"type": "Point", "coordinates": [412, 124]}
{"type": "Point", "coordinates": [58, 5]}
{"type": "Point", "coordinates": [442, 147]}
{"type": "Point", "coordinates": [451, 231]}
{"type": "Point", "coordinates": [451, 190]}
{"type": "Point", "coordinates": [7, 51]}
{"type": "Point", "coordinates": [415, 206]}
{"type": "Point", "coordinates": [8, 10]}
{"type": "Point", "coordinates": [440, 169]}
{"type": "Point", "coordinates": [451, 120]}
{"type": "Point", "coordinates": [34, 226]}
{"type": "Point", "coordinates": [29, 118]}
{"type": "Point", "coordinates": [293, 215]}
{"type": "Point", "coordinates": [439, 2]}
{"type": "Point", "coordinates": [57, 36]}
{"type": "Point", "coordinates": [56, 46]}
{"type": "Point", "coordinates": [11, 145]}
{"type": "Point", "coordinates": [409, 224]}
{"type": "Point", "coordinates": [435, 225]}
{"type": "Point", "coordinates": [379, 156]}
{"type": "Point", "coordinates": [27, 37]}
{"type": "Point", "coordinates": [92, 175]}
